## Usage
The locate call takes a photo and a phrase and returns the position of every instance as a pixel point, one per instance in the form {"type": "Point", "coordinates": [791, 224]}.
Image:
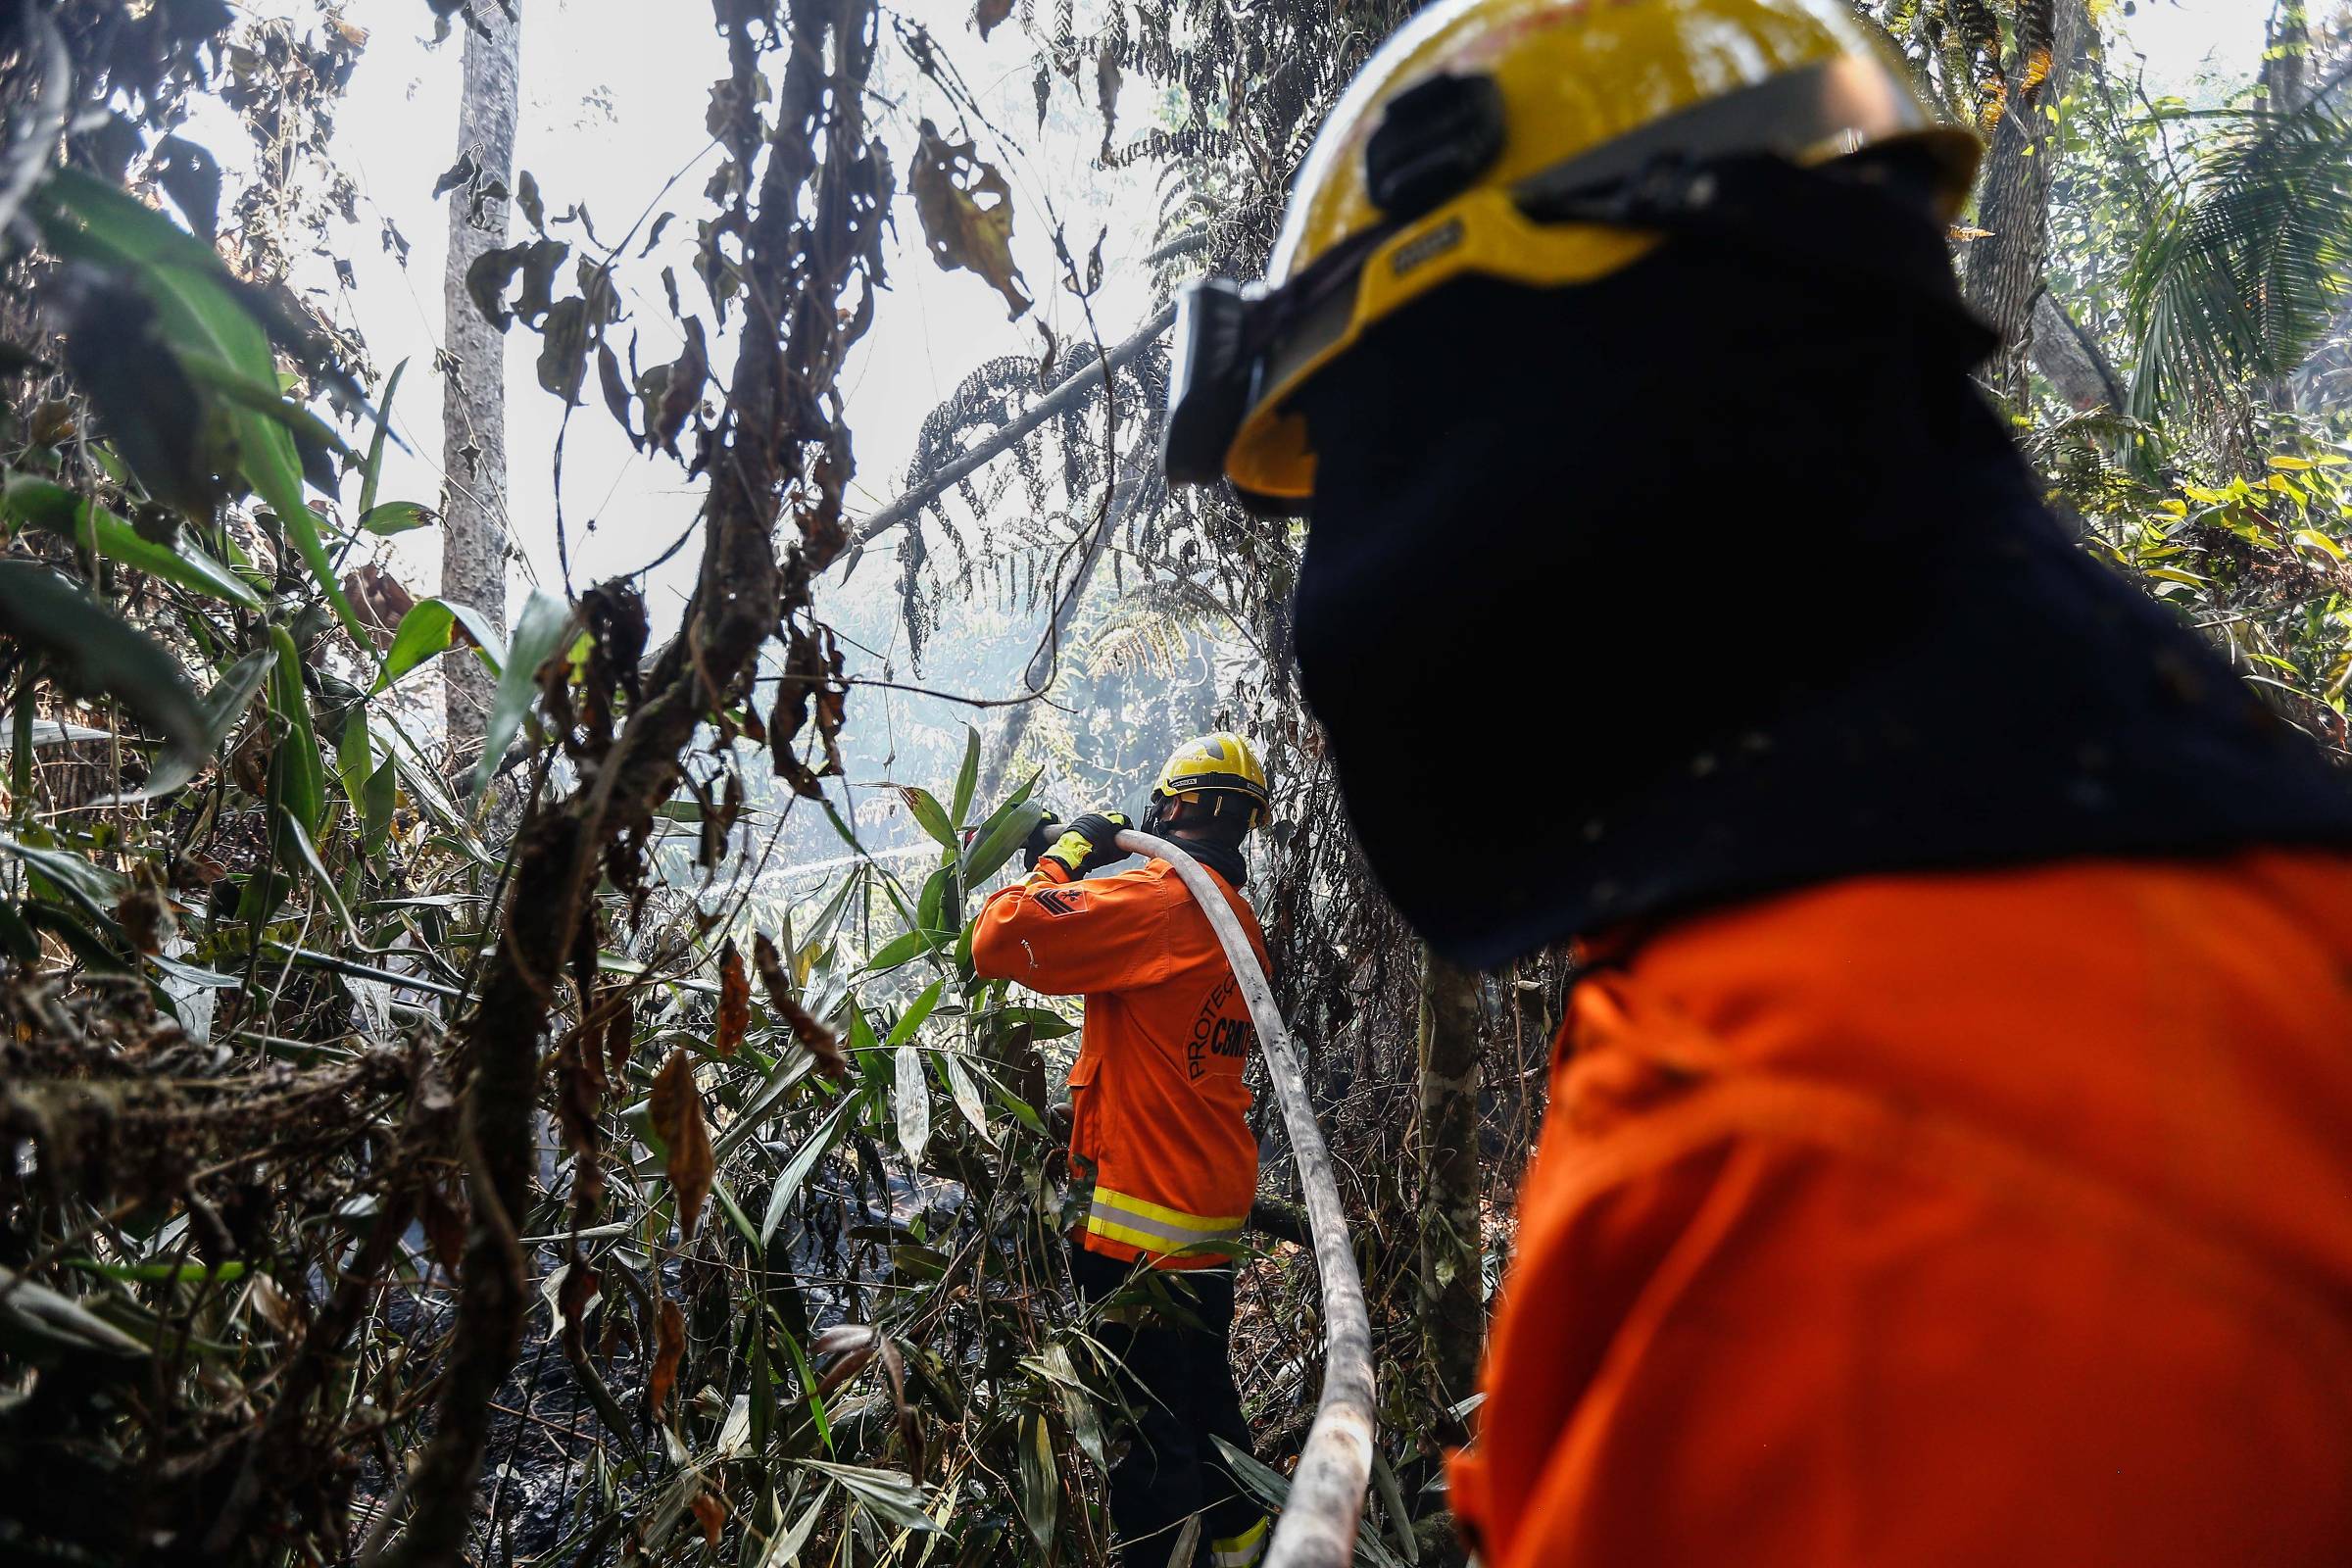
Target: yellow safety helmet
{"type": "Point", "coordinates": [1450, 154]}
{"type": "Point", "coordinates": [1223, 764]}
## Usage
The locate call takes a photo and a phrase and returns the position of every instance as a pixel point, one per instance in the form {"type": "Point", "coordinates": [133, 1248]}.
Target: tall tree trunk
{"type": "Point", "coordinates": [2005, 270]}
{"type": "Point", "coordinates": [473, 396]}
{"type": "Point", "coordinates": [1452, 1302]}
{"type": "Point", "coordinates": [2286, 56]}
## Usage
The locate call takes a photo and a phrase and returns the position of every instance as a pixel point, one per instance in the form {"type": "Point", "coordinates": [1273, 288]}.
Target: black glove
{"type": "Point", "coordinates": [1088, 843]}
{"type": "Point", "coordinates": [1041, 838]}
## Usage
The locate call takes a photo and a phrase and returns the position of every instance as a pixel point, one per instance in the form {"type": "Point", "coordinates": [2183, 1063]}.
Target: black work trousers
{"type": "Point", "coordinates": [1179, 1382]}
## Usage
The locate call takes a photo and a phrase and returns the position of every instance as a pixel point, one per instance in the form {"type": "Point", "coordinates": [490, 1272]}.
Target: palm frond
{"type": "Point", "coordinates": [2245, 265]}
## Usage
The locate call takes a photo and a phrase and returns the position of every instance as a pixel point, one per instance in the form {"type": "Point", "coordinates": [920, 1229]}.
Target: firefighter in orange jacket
{"type": "Point", "coordinates": [1159, 1121]}
{"type": "Point", "coordinates": [1949, 1153]}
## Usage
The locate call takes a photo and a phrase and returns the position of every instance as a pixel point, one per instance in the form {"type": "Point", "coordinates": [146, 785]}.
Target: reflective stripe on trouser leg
{"type": "Point", "coordinates": [1238, 1551]}
{"type": "Point", "coordinates": [1158, 1228]}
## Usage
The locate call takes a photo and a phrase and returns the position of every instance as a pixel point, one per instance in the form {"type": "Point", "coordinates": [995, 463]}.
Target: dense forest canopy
{"type": "Point", "coordinates": [579, 1133]}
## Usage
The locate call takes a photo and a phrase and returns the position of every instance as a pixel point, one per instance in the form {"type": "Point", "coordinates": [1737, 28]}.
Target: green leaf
{"type": "Point", "coordinates": [429, 630]}
{"type": "Point", "coordinates": [804, 1160]}
{"type": "Point", "coordinates": [898, 949]}
{"type": "Point", "coordinates": [297, 751]}
{"type": "Point", "coordinates": [93, 887]}
{"type": "Point", "coordinates": [40, 503]}
{"type": "Point", "coordinates": [95, 650]}
{"type": "Point", "coordinates": [374, 473]}
{"type": "Point", "coordinates": [912, 1019]}
{"type": "Point", "coordinates": [396, 517]}
{"type": "Point", "coordinates": [200, 316]}
{"type": "Point", "coordinates": [929, 816]}
{"type": "Point", "coordinates": [219, 710]}
{"type": "Point", "coordinates": [1000, 837]}
{"type": "Point", "coordinates": [968, 778]}
{"type": "Point", "coordinates": [160, 1273]}
{"type": "Point", "coordinates": [540, 633]}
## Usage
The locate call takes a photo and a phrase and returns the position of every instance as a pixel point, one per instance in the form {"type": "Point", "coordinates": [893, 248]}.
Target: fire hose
{"type": "Point", "coordinates": [1318, 1523]}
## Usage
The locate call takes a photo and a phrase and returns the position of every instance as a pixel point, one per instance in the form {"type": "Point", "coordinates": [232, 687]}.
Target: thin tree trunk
{"type": "Point", "coordinates": [473, 396]}
{"type": "Point", "coordinates": [1452, 1302]}
{"type": "Point", "coordinates": [2006, 268]}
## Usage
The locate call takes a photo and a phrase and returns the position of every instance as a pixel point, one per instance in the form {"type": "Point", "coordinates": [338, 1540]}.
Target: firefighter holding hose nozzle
{"type": "Point", "coordinates": [1159, 1124]}
{"type": "Point", "coordinates": [1950, 1152]}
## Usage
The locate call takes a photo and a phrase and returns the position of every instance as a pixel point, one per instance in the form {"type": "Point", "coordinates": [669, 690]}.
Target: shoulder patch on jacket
{"type": "Point", "coordinates": [1060, 900]}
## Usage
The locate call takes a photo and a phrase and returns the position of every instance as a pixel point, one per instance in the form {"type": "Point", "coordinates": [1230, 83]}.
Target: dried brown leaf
{"type": "Point", "coordinates": [711, 1512]}
{"type": "Point", "coordinates": [966, 210]}
{"type": "Point", "coordinates": [670, 1348]}
{"type": "Point", "coordinates": [677, 1112]}
{"type": "Point", "coordinates": [734, 1000]}
{"type": "Point", "coordinates": [581, 1287]}
{"type": "Point", "coordinates": [988, 14]}
{"type": "Point", "coordinates": [815, 1039]}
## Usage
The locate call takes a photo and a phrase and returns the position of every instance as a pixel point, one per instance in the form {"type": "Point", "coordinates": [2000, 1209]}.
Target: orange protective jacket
{"type": "Point", "coordinates": [1159, 1110]}
{"type": "Point", "coordinates": [1943, 1219]}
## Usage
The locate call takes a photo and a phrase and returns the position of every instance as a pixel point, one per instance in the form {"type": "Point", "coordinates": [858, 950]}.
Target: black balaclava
{"type": "Point", "coordinates": [1717, 576]}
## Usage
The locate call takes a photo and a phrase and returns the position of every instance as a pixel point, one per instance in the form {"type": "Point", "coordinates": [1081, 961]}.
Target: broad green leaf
{"type": "Point", "coordinates": [429, 630]}
{"type": "Point", "coordinates": [913, 1102]}
{"type": "Point", "coordinates": [929, 816]}
{"type": "Point", "coordinates": [540, 633]}
{"type": "Point", "coordinates": [42, 504]}
{"type": "Point", "coordinates": [263, 398]}
{"type": "Point", "coordinates": [897, 951]}
{"type": "Point", "coordinates": [200, 316]}
{"type": "Point", "coordinates": [999, 838]}
{"type": "Point", "coordinates": [96, 650]}
{"type": "Point", "coordinates": [308, 852]}
{"type": "Point", "coordinates": [396, 517]}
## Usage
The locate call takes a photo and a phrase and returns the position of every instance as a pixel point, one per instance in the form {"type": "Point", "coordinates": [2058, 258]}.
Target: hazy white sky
{"type": "Point", "coordinates": [614, 96]}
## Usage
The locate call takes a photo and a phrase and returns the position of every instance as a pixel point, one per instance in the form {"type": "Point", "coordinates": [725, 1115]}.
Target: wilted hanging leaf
{"type": "Point", "coordinates": [1043, 86]}
{"type": "Point", "coordinates": [192, 179]}
{"type": "Point", "coordinates": [457, 174]}
{"type": "Point", "coordinates": [379, 600]}
{"type": "Point", "coordinates": [711, 1512]}
{"type": "Point", "coordinates": [734, 1000]}
{"type": "Point", "coordinates": [621, 1035]}
{"type": "Point", "coordinates": [677, 1112]}
{"type": "Point", "coordinates": [950, 183]}
{"type": "Point", "coordinates": [770, 964]}
{"type": "Point", "coordinates": [669, 1348]}
{"type": "Point", "coordinates": [988, 14]}
{"type": "Point", "coordinates": [855, 1345]}
{"type": "Point", "coordinates": [1106, 90]}
{"type": "Point", "coordinates": [526, 197]}
{"type": "Point", "coordinates": [444, 1225]}
{"type": "Point", "coordinates": [581, 1287]}
{"type": "Point", "coordinates": [493, 272]}
{"type": "Point", "coordinates": [815, 1039]}
{"type": "Point", "coordinates": [617, 392]}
